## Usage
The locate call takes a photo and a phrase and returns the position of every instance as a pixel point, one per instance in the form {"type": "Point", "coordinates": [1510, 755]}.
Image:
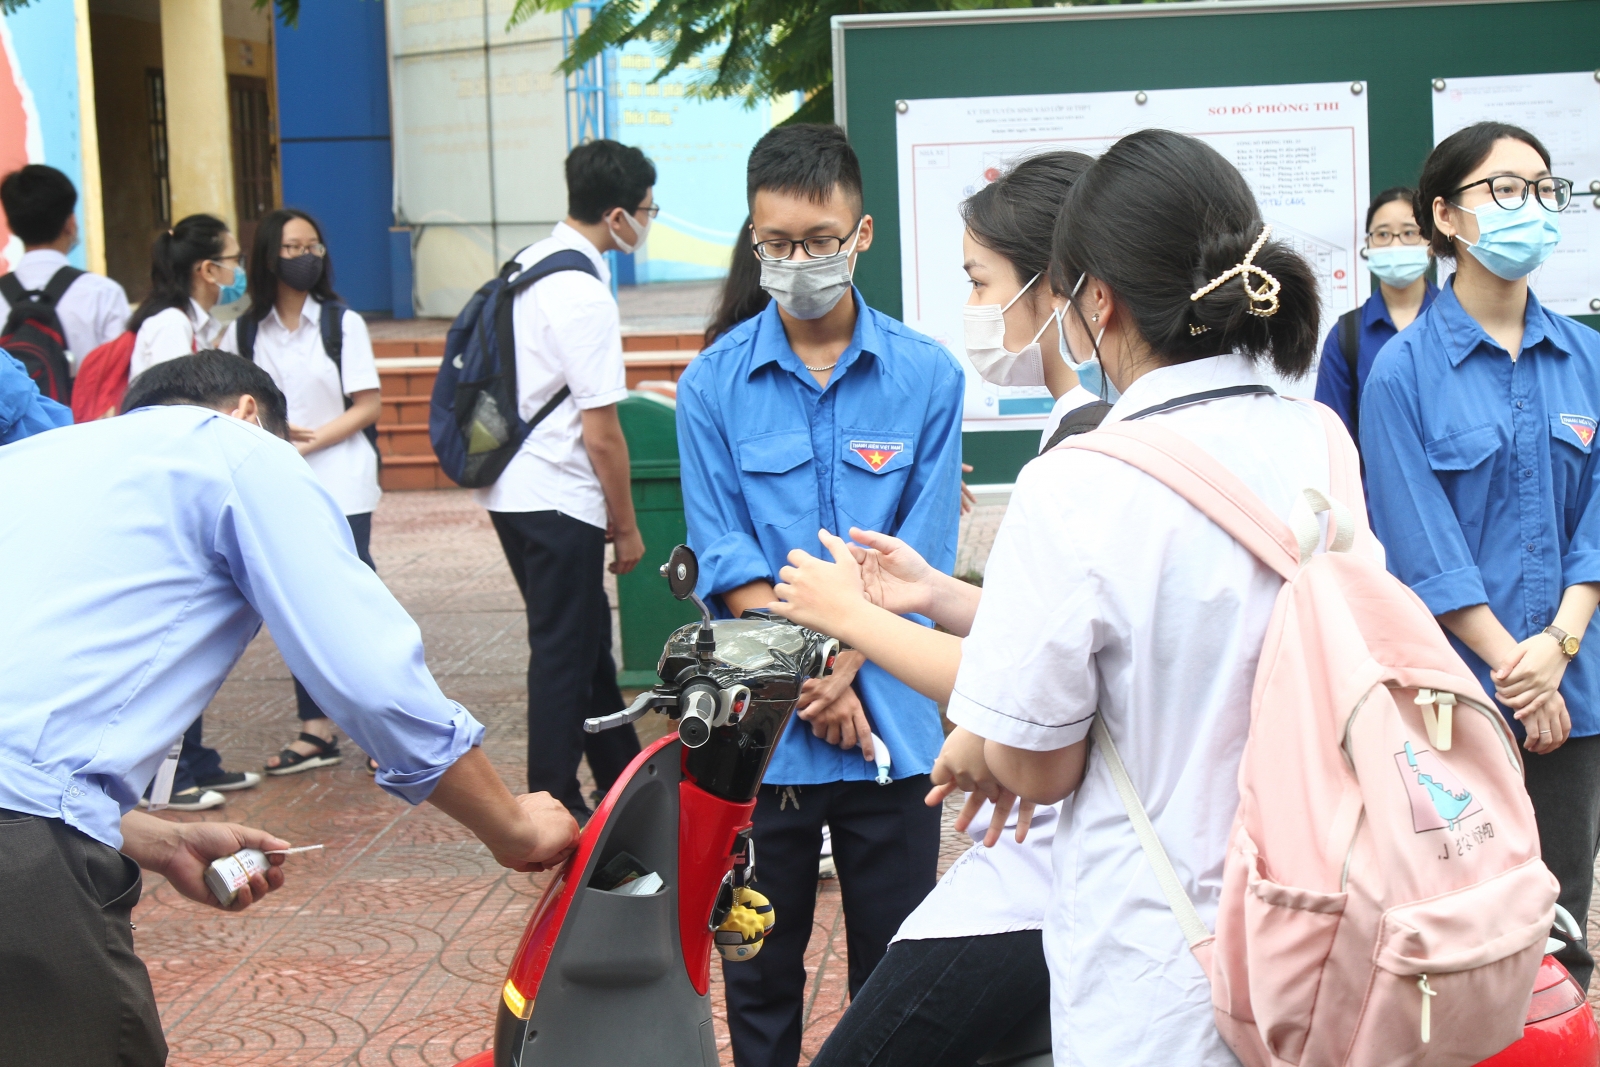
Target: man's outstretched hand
{"type": "Point", "coordinates": [181, 851]}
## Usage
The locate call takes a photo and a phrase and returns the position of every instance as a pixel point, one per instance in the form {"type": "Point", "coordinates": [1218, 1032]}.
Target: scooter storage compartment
{"type": "Point", "coordinates": [617, 939]}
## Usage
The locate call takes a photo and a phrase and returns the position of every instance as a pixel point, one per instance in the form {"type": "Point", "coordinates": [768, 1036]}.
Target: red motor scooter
{"type": "Point", "coordinates": [614, 968]}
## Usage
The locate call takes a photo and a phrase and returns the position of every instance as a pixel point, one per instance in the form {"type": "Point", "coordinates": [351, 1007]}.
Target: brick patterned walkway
{"type": "Point", "coordinates": [389, 946]}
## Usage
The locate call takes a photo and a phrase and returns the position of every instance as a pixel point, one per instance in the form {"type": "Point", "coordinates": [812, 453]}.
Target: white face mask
{"type": "Point", "coordinates": [985, 329]}
{"type": "Point", "coordinates": [640, 233]}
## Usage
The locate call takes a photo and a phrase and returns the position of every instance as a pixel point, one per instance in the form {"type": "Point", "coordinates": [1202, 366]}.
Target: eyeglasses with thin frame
{"type": "Point", "coordinates": [777, 250]}
{"type": "Point", "coordinates": [1511, 192]}
{"type": "Point", "coordinates": [293, 250]}
{"type": "Point", "coordinates": [653, 210]}
{"type": "Point", "coordinates": [1407, 235]}
{"type": "Point", "coordinates": [221, 260]}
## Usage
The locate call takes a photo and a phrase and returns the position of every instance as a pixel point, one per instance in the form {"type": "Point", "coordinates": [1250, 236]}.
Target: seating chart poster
{"type": "Point", "coordinates": [1302, 148]}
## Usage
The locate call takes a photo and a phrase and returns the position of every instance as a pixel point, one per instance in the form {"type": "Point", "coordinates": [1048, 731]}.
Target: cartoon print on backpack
{"type": "Point", "coordinates": [1439, 800]}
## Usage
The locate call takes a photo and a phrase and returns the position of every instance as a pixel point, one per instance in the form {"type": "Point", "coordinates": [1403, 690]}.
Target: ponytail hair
{"type": "Point", "coordinates": [742, 296]}
{"type": "Point", "coordinates": [264, 255]}
{"type": "Point", "coordinates": [193, 240]}
{"type": "Point", "coordinates": [1158, 218]}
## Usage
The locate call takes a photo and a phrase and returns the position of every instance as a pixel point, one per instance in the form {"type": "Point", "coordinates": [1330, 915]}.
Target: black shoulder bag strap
{"type": "Point", "coordinates": [59, 283]}
{"type": "Point", "coordinates": [1078, 420]}
{"type": "Point", "coordinates": [244, 335]}
{"type": "Point", "coordinates": [12, 289]}
{"type": "Point", "coordinates": [1350, 347]}
{"type": "Point", "coordinates": [332, 326]}
{"type": "Point", "coordinates": [505, 339]}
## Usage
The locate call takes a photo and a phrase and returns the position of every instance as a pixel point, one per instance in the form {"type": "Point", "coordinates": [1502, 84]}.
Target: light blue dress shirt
{"type": "Point", "coordinates": [768, 457]}
{"type": "Point", "coordinates": [142, 554]}
{"type": "Point", "coordinates": [1481, 475]}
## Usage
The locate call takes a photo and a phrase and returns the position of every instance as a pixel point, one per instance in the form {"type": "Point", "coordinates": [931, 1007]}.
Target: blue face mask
{"type": "Point", "coordinates": [1400, 265]}
{"type": "Point", "coordinates": [234, 290]}
{"type": "Point", "coordinates": [1513, 244]}
{"type": "Point", "coordinates": [1091, 375]}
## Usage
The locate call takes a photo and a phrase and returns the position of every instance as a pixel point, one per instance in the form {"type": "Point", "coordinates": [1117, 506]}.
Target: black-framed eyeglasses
{"type": "Point", "coordinates": [291, 251]}
{"type": "Point", "coordinates": [1511, 192]}
{"type": "Point", "coordinates": [816, 247]}
{"type": "Point", "coordinates": [219, 260]}
{"type": "Point", "coordinates": [1407, 235]}
{"type": "Point", "coordinates": [653, 210]}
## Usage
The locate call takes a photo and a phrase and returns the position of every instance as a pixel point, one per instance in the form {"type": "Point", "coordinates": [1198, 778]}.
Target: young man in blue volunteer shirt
{"type": "Point", "coordinates": [567, 490]}
{"type": "Point", "coordinates": [821, 412]}
{"type": "Point", "coordinates": [156, 544]}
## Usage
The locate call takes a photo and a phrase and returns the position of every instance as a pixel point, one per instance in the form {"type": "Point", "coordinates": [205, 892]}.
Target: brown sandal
{"type": "Point", "coordinates": [292, 762]}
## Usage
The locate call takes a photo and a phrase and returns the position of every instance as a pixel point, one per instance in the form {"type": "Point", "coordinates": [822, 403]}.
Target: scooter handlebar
{"type": "Point", "coordinates": [643, 703]}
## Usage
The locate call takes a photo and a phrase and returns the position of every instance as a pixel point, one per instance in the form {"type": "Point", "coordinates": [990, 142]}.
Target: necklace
{"type": "Point", "coordinates": [819, 370]}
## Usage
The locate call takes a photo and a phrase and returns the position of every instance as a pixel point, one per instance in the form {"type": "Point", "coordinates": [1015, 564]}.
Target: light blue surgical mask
{"type": "Point", "coordinates": [1513, 244]}
{"type": "Point", "coordinates": [1091, 375]}
{"type": "Point", "coordinates": [1399, 265]}
{"type": "Point", "coordinates": [234, 290]}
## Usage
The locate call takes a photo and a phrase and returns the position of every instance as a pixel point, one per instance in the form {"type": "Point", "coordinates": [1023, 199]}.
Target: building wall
{"type": "Point", "coordinates": [333, 120]}
{"type": "Point", "coordinates": [126, 40]}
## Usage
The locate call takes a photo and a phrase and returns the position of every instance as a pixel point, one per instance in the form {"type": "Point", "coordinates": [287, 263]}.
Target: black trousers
{"type": "Point", "coordinates": [941, 1002]}
{"type": "Point", "coordinates": [886, 849]}
{"type": "Point", "coordinates": [559, 564]}
{"type": "Point", "coordinates": [361, 530]}
{"type": "Point", "coordinates": [1565, 788]}
{"type": "Point", "coordinates": [72, 990]}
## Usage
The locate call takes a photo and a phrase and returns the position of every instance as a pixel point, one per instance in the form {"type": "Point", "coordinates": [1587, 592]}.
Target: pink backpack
{"type": "Point", "coordinates": [1383, 899]}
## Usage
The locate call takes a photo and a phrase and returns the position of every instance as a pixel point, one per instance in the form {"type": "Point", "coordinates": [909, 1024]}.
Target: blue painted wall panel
{"type": "Point", "coordinates": [346, 185]}
{"type": "Point", "coordinates": [333, 124]}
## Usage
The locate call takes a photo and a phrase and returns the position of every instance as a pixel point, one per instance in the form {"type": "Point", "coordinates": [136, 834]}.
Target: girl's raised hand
{"type": "Point", "coordinates": [894, 575]}
{"type": "Point", "coordinates": [818, 594]}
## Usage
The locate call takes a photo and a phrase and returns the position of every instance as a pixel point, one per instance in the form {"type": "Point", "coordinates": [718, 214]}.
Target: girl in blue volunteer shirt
{"type": "Point", "coordinates": [1477, 426]}
{"type": "Point", "coordinates": [1398, 256]}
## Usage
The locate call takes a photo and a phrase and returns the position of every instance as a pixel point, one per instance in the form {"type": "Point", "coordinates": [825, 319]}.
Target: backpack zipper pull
{"type": "Point", "coordinates": [1430, 719]}
{"type": "Point", "coordinates": [1447, 703]}
{"type": "Point", "coordinates": [1427, 1000]}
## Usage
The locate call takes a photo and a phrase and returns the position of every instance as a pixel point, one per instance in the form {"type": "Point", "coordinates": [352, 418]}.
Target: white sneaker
{"type": "Point", "coordinates": [195, 799]}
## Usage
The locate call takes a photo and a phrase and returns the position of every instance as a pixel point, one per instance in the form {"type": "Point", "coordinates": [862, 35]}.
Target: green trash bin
{"type": "Point", "coordinates": [649, 612]}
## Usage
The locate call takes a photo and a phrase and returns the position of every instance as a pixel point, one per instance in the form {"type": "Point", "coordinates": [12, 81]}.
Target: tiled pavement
{"type": "Point", "coordinates": [387, 947]}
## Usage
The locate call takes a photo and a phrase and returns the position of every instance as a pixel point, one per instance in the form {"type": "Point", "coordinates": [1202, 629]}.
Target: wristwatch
{"type": "Point", "coordinates": [1568, 643]}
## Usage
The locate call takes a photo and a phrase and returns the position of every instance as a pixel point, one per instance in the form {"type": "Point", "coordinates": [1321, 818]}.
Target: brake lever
{"type": "Point", "coordinates": [645, 702]}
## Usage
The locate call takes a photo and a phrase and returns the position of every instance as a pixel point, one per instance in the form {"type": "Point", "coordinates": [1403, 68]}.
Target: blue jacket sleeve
{"type": "Point", "coordinates": [1581, 560]}
{"type": "Point", "coordinates": [341, 632]}
{"type": "Point", "coordinates": [1334, 387]}
{"type": "Point", "coordinates": [720, 530]}
{"type": "Point", "coordinates": [23, 412]}
{"type": "Point", "coordinates": [929, 516]}
{"type": "Point", "coordinates": [1410, 512]}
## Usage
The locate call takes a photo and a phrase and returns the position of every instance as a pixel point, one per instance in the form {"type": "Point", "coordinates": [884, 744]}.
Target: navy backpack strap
{"type": "Point", "coordinates": [12, 289]}
{"type": "Point", "coordinates": [244, 335]}
{"type": "Point", "coordinates": [505, 341]}
{"type": "Point", "coordinates": [333, 333]}
{"type": "Point", "coordinates": [1350, 348]}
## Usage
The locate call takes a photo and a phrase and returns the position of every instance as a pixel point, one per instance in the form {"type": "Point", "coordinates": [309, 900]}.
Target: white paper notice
{"type": "Point", "coordinates": [1563, 111]}
{"type": "Point", "coordinates": [1302, 148]}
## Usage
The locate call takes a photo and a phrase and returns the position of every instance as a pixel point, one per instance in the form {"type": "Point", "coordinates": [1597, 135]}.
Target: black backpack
{"type": "Point", "coordinates": [1076, 421]}
{"type": "Point", "coordinates": [332, 344]}
{"type": "Point", "coordinates": [33, 332]}
{"type": "Point", "coordinates": [474, 419]}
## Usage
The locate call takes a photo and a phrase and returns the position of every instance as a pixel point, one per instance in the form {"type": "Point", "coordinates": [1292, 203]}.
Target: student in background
{"type": "Point", "coordinates": [1478, 427]}
{"type": "Point", "coordinates": [1398, 255]}
{"type": "Point", "coordinates": [821, 411]}
{"type": "Point", "coordinates": [742, 296]}
{"type": "Point", "coordinates": [332, 397]}
{"type": "Point", "coordinates": [39, 203]}
{"type": "Point", "coordinates": [194, 266]}
{"type": "Point", "coordinates": [567, 491]}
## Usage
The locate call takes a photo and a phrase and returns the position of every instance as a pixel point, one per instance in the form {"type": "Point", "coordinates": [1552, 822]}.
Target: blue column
{"type": "Point", "coordinates": [333, 124]}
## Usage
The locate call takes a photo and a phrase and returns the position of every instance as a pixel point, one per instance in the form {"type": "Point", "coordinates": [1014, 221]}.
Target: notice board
{"type": "Point", "coordinates": [1396, 52]}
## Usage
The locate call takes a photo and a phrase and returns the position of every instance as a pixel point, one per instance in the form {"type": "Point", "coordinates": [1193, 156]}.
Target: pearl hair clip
{"type": "Point", "coordinates": [1266, 295]}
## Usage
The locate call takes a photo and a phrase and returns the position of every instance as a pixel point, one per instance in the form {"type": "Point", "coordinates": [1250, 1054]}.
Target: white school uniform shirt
{"type": "Point", "coordinates": [315, 391]}
{"type": "Point", "coordinates": [172, 333]}
{"type": "Point", "coordinates": [991, 890]}
{"type": "Point", "coordinates": [568, 332]}
{"type": "Point", "coordinates": [1106, 590]}
{"type": "Point", "coordinates": [93, 310]}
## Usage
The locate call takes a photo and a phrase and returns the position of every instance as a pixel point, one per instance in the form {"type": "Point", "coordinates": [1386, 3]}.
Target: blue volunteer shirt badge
{"type": "Point", "coordinates": [877, 453]}
{"type": "Point", "coordinates": [1582, 426]}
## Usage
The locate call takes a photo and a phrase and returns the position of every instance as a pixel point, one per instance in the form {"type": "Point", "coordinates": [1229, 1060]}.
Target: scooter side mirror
{"type": "Point", "coordinates": [682, 572]}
